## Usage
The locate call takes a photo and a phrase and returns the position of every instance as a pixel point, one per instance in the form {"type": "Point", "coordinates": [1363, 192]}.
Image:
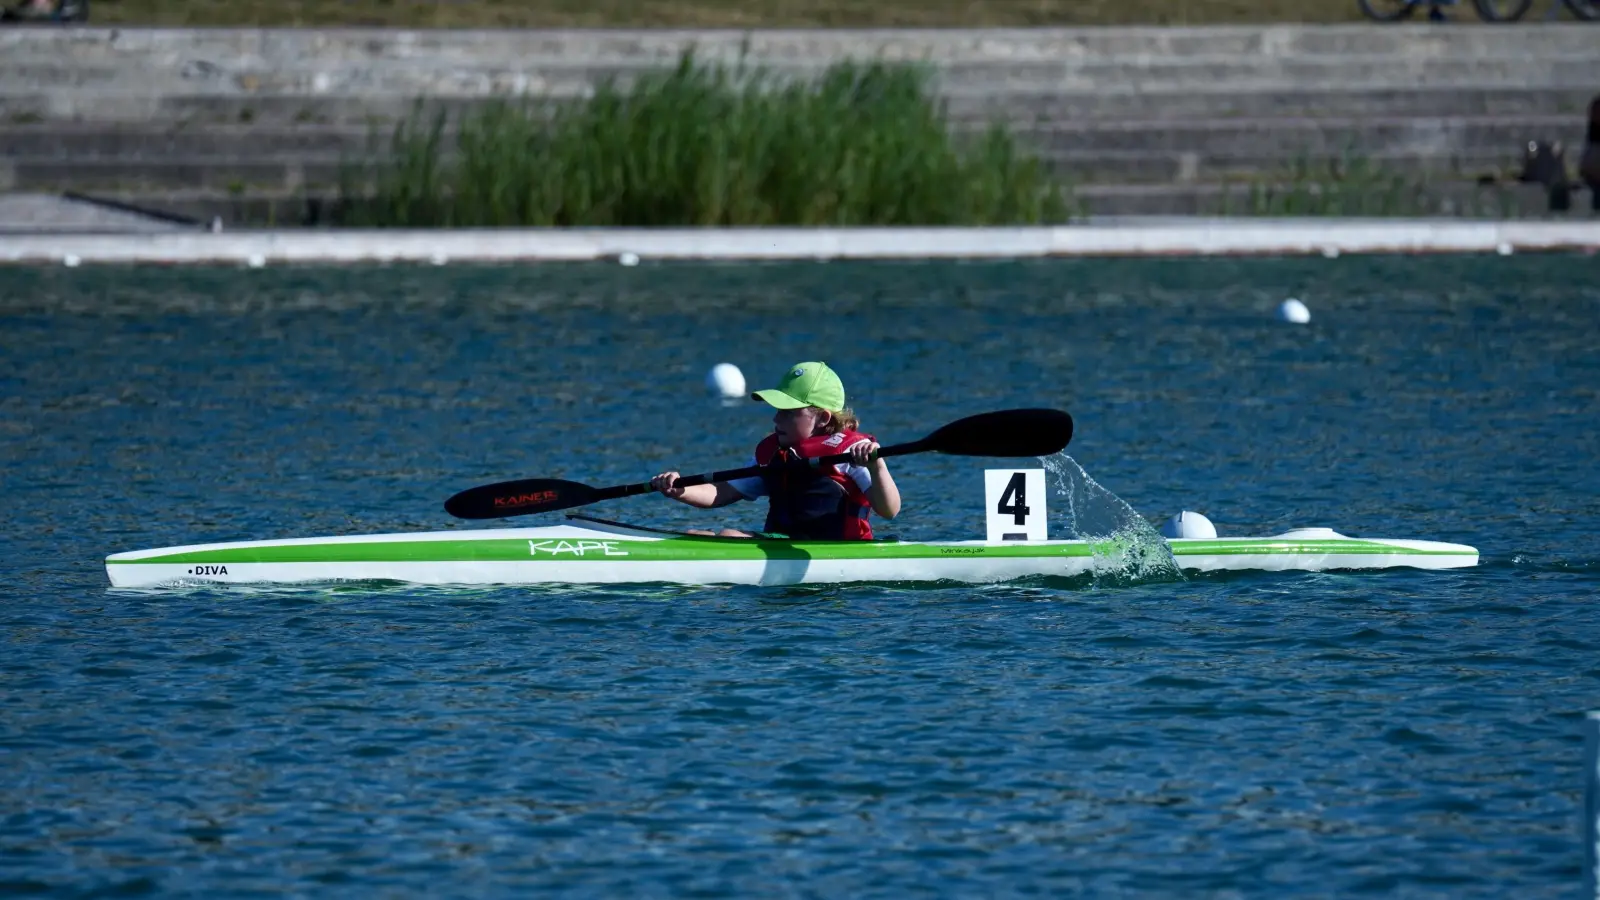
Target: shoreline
{"type": "Point", "coordinates": [260, 126]}
{"type": "Point", "coordinates": [1112, 238]}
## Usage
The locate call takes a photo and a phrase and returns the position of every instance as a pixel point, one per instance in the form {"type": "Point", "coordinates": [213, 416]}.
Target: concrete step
{"type": "Point", "coordinates": [286, 209]}
{"type": "Point", "coordinates": [1181, 168]}
{"type": "Point", "coordinates": [230, 176]}
{"type": "Point", "coordinates": [301, 172]}
{"type": "Point", "coordinates": [1451, 200]}
{"type": "Point", "coordinates": [1124, 150]}
{"type": "Point", "coordinates": [1254, 138]}
{"type": "Point", "coordinates": [133, 143]}
{"type": "Point", "coordinates": [1154, 74]}
{"type": "Point", "coordinates": [1334, 102]}
{"type": "Point", "coordinates": [280, 111]}
{"type": "Point", "coordinates": [287, 49]}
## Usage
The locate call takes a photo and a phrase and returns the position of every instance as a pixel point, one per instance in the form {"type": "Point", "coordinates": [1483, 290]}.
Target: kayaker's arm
{"type": "Point", "coordinates": [883, 494]}
{"type": "Point", "coordinates": [704, 496]}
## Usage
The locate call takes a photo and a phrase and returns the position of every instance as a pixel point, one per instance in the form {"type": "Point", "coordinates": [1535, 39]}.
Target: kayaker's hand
{"type": "Point", "coordinates": [861, 452]}
{"type": "Point", "coordinates": [667, 483]}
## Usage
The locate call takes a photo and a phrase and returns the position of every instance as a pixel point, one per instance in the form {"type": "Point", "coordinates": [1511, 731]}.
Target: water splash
{"type": "Point", "coordinates": [1127, 550]}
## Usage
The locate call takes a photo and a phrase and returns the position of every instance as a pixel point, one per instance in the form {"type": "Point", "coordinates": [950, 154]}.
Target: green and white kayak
{"type": "Point", "coordinates": [611, 553]}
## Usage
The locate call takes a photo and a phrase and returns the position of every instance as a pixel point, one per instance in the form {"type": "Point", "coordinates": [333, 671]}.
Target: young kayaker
{"type": "Point", "coordinates": [827, 503]}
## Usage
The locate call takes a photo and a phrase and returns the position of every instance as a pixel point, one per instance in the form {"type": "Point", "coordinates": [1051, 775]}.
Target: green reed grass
{"type": "Point", "coordinates": [701, 144]}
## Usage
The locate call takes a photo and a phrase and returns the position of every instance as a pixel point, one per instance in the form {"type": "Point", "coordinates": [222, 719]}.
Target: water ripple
{"type": "Point", "coordinates": [1405, 734]}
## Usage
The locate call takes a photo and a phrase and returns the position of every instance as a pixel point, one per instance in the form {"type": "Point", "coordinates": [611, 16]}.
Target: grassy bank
{"type": "Point", "coordinates": [715, 13]}
{"type": "Point", "coordinates": [705, 145]}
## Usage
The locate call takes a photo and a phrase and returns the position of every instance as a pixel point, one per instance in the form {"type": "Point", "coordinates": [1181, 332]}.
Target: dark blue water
{"type": "Point", "coordinates": [1406, 734]}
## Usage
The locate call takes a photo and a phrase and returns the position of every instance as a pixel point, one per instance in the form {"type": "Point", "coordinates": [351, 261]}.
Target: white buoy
{"type": "Point", "coordinates": [1330, 252]}
{"type": "Point", "coordinates": [257, 260]}
{"type": "Point", "coordinates": [71, 261]}
{"type": "Point", "coordinates": [1292, 310]}
{"type": "Point", "coordinates": [629, 259]}
{"type": "Point", "coordinates": [438, 259]}
{"type": "Point", "coordinates": [725, 380]}
{"type": "Point", "coordinates": [1504, 249]}
{"type": "Point", "coordinates": [1188, 525]}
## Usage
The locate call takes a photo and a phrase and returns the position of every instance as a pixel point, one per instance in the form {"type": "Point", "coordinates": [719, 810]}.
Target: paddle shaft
{"type": "Point", "coordinates": [1007, 433]}
{"type": "Point", "coordinates": [630, 490]}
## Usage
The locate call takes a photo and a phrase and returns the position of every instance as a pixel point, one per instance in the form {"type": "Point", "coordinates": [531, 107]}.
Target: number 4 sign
{"type": "Point", "coordinates": [1014, 501]}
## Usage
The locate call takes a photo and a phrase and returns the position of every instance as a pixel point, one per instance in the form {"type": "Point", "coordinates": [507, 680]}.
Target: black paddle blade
{"type": "Point", "coordinates": [516, 498]}
{"type": "Point", "coordinates": [1010, 432]}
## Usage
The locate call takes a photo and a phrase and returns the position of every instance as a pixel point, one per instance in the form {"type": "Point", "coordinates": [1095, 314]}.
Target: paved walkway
{"type": "Point", "coordinates": [52, 214]}
{"type": "Point", "coordinates": [1191, 237]}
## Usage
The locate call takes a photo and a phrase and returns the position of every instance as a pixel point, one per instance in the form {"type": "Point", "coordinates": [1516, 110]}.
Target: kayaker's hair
{"type": "Point", "coordinates": [843, 420]}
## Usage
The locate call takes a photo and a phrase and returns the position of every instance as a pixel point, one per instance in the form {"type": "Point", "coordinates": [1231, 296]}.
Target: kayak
{"type": "Point", "coordinates": [599, 552]}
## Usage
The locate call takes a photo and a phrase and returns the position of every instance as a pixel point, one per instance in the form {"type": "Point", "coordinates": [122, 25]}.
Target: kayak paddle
{"type": "Point", "coordinates": [1011, 432]}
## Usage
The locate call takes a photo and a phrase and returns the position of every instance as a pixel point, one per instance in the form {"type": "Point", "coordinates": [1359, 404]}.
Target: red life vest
{"type": "Point", "coordinates": [819, 503]}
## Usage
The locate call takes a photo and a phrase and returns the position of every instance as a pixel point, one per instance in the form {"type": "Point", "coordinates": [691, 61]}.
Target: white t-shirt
{"type": "Point", "coordinates": [753, 488]}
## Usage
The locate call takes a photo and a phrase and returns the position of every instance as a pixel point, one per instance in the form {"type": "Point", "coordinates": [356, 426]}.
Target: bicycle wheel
{"type": "Point", "coordinates": [1588, 10]}
{"type": "Point", "coordinates": [1387, 10]}
{"type": "Point", "coordinates": [1502, 10]}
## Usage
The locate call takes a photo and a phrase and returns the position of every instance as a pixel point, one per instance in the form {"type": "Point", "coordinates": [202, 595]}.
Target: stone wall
{"type": "Point", "coordinates": [246, 123]}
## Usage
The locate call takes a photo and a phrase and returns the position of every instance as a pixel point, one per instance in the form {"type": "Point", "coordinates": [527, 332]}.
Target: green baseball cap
{"type": "Point", "coordinates": [806, 384]}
